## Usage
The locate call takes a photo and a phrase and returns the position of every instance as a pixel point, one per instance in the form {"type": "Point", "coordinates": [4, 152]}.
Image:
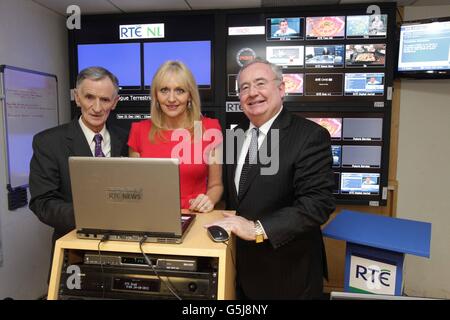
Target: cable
{"type": "Point", "coordinates": [104, 239]}
{"type": "Point", "coordinates": [154, 270]}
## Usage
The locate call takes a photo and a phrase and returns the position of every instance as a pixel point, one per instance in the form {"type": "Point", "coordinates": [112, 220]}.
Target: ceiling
{"type": "Point", "coordinates": [127, 6]}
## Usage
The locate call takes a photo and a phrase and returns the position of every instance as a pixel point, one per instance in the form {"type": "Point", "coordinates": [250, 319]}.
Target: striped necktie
{"type": "Point", "coordinates": [250, 160]}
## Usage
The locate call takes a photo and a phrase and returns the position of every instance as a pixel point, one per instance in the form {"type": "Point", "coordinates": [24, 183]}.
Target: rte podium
{"type": "Point", "coordinates": [215, 261]}
{"type": "Point", "coordinates": [376, 246]}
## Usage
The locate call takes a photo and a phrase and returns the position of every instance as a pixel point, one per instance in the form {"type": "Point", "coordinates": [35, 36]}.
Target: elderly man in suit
{"type": "Point", "coordinates": [279, 246]}
{"type": "Point", "coordinates": [96, 94]}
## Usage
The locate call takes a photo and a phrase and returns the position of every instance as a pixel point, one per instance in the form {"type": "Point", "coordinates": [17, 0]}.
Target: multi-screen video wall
{"type": "Point", "coordinates": [337, 62]}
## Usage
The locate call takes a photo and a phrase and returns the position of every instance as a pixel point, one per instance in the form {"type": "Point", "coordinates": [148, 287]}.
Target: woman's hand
{"type": "Point", "coordinates": [201, 203]}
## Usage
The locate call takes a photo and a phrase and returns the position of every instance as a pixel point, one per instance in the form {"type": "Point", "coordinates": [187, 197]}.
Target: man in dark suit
{"type": "Point", "coordinates": [96, 94]}
{"type": "Point", "coordinates": [279, 246]}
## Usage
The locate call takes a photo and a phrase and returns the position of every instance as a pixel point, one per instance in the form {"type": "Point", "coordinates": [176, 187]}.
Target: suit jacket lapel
{"type": "Point", "coordinates": [76, 141]}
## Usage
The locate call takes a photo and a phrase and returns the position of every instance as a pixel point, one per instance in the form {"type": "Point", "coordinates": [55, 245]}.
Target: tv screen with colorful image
{"type": "Point", "coordinates": [367, 26]}
{"type": "Point", "coordinates": [365, 55]}
{"type": "Point", "coordinates": [330, 56]}
{"type": "Point", "coordinates": [284, 28]}
{"type": "Point", "coordinates": [293, 83]}
{"type": "Point", "coordinates": [325, 28]}
{"type": "Point", "coordinates": [285, 56]}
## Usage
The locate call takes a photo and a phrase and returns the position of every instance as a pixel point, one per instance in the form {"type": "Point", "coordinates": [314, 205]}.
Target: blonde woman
{"type": "Point", "coordinates": [177, 129]}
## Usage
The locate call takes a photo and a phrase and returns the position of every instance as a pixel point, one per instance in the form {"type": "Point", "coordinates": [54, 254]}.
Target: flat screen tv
{"type": "Point", "coordinates": [424, 49]}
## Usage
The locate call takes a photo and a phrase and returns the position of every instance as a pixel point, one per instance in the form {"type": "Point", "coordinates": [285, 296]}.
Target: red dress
{"type": "Point", "coordinates": [193, 168]}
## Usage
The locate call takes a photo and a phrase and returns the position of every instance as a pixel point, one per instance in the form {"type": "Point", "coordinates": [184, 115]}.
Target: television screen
{"type": "Point", "coordinates": [365, 55]}
{"type": "Point", "coordinates": [361, 156]}
{"type": "Point", "coordinates": [360, 183]}
{"type": "Point", "coordinates": [323, 84]}
{"type": "Point", "coordinates": [195, 54]}
{"type": "Point", "coordinates": [362, 129]}
{"type": "Point", "coordinates": [333, 125]}
{"type": "Point", "coordinates": [424, 49]}
{"type": "Point", "coordinates": [122, 59]}
{"type": "Point", "coordinates": [331, 56]}
{"type": "Point", "coordinates": [364, 84]}
{"type": "Point", "coordinates": [336, 152]}
{"type": "Point", "coordinates": [293, 83]}
{"type": "Point", "coordinates": [325, 28]}
{"type": "Point", "coordinates": [285, 55]}
{"type": "Point", "coordinates": [373, 26]}
{"type": "Point", "coordinates": [284, 28]}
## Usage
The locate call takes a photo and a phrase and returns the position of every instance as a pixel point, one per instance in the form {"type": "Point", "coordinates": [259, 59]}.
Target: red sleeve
{"type": "Point", "coordinates": [134, 136]}
{"type": "Point", "coordinates": [210, 123]}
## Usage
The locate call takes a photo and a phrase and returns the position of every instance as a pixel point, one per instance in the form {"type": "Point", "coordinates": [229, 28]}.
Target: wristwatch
{"type": "Point", "coordinates": [259, 232]}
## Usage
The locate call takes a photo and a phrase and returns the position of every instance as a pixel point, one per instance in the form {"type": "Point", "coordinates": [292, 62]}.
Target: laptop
{"type": "Point", "coordinates": [128, 198]}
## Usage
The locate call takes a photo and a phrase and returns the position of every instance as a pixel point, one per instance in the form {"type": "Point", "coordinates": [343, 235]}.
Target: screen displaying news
{"type": "Point", "coordinates": [360, 183]}
{"type": "Point", "coordinates": [364, 84]}
{"type": "Point", "coordinates": [424, 47]}
{"type": "Point", "coordinates": [122, 59]}
{"type": "Point", "coordinates": [361, 156]}
{"type": "Point", "coordinates": [195, 54]}
{"type": "Point", "coordinates": [323, 84]}
{"type": "Point", "coordinates": [333, 125]}
{"type": "Point", "coordinates": [331, 56]}
{"type": "Point", "coordinates": [325, 28]}
{"type": "Point", "coordinates": [365, 55]}
{"type": "Point", "coordinates": [336, 152]}
{"type": "Point", "coordinates": [362, 129]}
{"type": "Point", "coordinates": [293, 84]}
{"type": "Point", "coordinates": [367, 26]}
{"type": "Point", "coordinates": [284, 28]}
{"type": "Point", "coordinates": [285, 55]}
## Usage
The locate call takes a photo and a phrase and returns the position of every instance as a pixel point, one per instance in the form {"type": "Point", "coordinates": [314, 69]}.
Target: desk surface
{"type": "Point", "coordinates": [196, 241]}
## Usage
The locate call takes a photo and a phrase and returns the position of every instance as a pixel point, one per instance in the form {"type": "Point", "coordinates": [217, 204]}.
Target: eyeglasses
{"type": "Point", "coordinates": [259, 85]}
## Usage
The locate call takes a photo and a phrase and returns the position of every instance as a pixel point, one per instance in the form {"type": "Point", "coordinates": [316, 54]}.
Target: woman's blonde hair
{"type": "Point", "coordinates": [186, 80]}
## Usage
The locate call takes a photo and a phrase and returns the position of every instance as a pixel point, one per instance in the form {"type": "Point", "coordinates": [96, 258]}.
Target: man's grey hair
{"type": "Point", "coordinates": [97, 73]}
{"type": "Point", "coordinates": [276, 69]}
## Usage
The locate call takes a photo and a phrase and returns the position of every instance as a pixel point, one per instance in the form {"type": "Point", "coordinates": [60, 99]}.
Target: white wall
{"type": "Point", "coordinates": [424, 171]}
{"type": "Point", "coordinates": [35, 38]}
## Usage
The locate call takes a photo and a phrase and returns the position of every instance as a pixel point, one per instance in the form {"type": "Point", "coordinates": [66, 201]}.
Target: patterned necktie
{"type": "Point", "coordinates": [250, 160]}
{"type": "Point", "coordinates": [98, 145]}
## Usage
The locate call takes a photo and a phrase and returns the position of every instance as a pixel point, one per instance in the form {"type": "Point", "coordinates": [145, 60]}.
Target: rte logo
{"type": "Point", "coordinates": [374, 276]}
{"type": "Point", "coordinates": [141, 31]}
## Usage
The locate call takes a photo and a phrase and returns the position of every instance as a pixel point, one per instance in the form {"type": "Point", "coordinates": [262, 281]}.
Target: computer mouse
{"type": "Point", "coordinates": [217, 234]}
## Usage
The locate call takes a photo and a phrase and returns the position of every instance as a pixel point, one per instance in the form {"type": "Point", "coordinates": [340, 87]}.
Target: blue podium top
{"type": "Point", "coordinates": [399, 235]}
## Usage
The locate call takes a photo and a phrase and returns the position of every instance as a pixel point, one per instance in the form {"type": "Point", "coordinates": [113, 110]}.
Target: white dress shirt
{"type": "Point", "coordinates": [263, 130]}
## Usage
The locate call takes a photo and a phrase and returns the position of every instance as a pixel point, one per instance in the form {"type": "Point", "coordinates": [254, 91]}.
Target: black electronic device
{"type": "Point", "coordinates": [218, 234]}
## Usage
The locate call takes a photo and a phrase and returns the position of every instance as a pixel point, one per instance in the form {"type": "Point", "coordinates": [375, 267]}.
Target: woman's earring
{"type": "Point", "coordinates": [157, 105]}
{"type": "Point", "coordinates": [190, 104]}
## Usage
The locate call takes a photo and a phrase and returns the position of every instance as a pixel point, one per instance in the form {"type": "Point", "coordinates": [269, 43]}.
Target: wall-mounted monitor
{"type": "Point", "coordinates": [195, 54]}
{"type": "Point", "coordinates": [367, 26]}
{"type": "Point", "coordinates": [333, 125]}
{"type": "Point", "coordinates": [329, 56]}
{"type": "Point", "coordinates": [424, 49]}
{"type": "Point", "coordinates": [365, 55]}
{"type": "Point", "coordinates": [360, 183]}
{"type": "Point", "coordinates": [293, 84]}
{"type": "Point", "coordinates": [323, 84]}
{"type": "Point", "coordinates": [285, 56]}
{"type": "Point", "coordinates": [325, 28]}
{"type": "Point", "coordinates": [364, 84]}
{"type": "Point", "coordinates": [122, 59]}
{"type": "Point", "coordinates": [362, 129]}
{"type": "Point", "coordinates": [361, 156]}
{"type": "Point", "coordinates": [284, 28]}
